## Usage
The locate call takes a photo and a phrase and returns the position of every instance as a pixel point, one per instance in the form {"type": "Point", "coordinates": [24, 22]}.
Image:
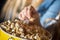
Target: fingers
{"type": "Point", "coordinates": [28, 14]}
{"type": "Point", "coordinates": [24, 14]}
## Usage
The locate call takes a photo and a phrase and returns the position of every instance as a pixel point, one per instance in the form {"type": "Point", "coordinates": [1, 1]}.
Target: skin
{"type": "Point", "coordinates": [28, 14]}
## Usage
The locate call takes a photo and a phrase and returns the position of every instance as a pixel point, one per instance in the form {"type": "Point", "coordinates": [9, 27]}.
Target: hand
{"type": "Point", "coordinates": [30, 14]}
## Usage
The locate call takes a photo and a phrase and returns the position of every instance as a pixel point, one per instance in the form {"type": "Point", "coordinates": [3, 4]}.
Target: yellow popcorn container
{"type": "Point", "coordinates": [6, 36]}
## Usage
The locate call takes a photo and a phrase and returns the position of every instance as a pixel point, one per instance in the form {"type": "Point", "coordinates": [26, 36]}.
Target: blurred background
{"type": "Point", "coordinates": [2, 3]}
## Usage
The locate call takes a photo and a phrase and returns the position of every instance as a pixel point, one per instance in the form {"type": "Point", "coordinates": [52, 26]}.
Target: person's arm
{"type": "Point", "coordinates": [51, 12]}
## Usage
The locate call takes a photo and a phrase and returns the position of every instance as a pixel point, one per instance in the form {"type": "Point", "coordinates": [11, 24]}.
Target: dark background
{"type": "Point", "coordinates": [2, 2]}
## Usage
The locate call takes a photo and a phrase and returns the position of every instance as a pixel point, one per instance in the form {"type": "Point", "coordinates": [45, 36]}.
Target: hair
{"type": "Point", "coordinates": [13, 7]}
{"type": "Point", "coordinates": [54, 29]}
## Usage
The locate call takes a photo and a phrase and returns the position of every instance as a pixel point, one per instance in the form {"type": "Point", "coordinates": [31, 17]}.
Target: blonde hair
{"type": "Point", "coordinates": [10, 10]}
